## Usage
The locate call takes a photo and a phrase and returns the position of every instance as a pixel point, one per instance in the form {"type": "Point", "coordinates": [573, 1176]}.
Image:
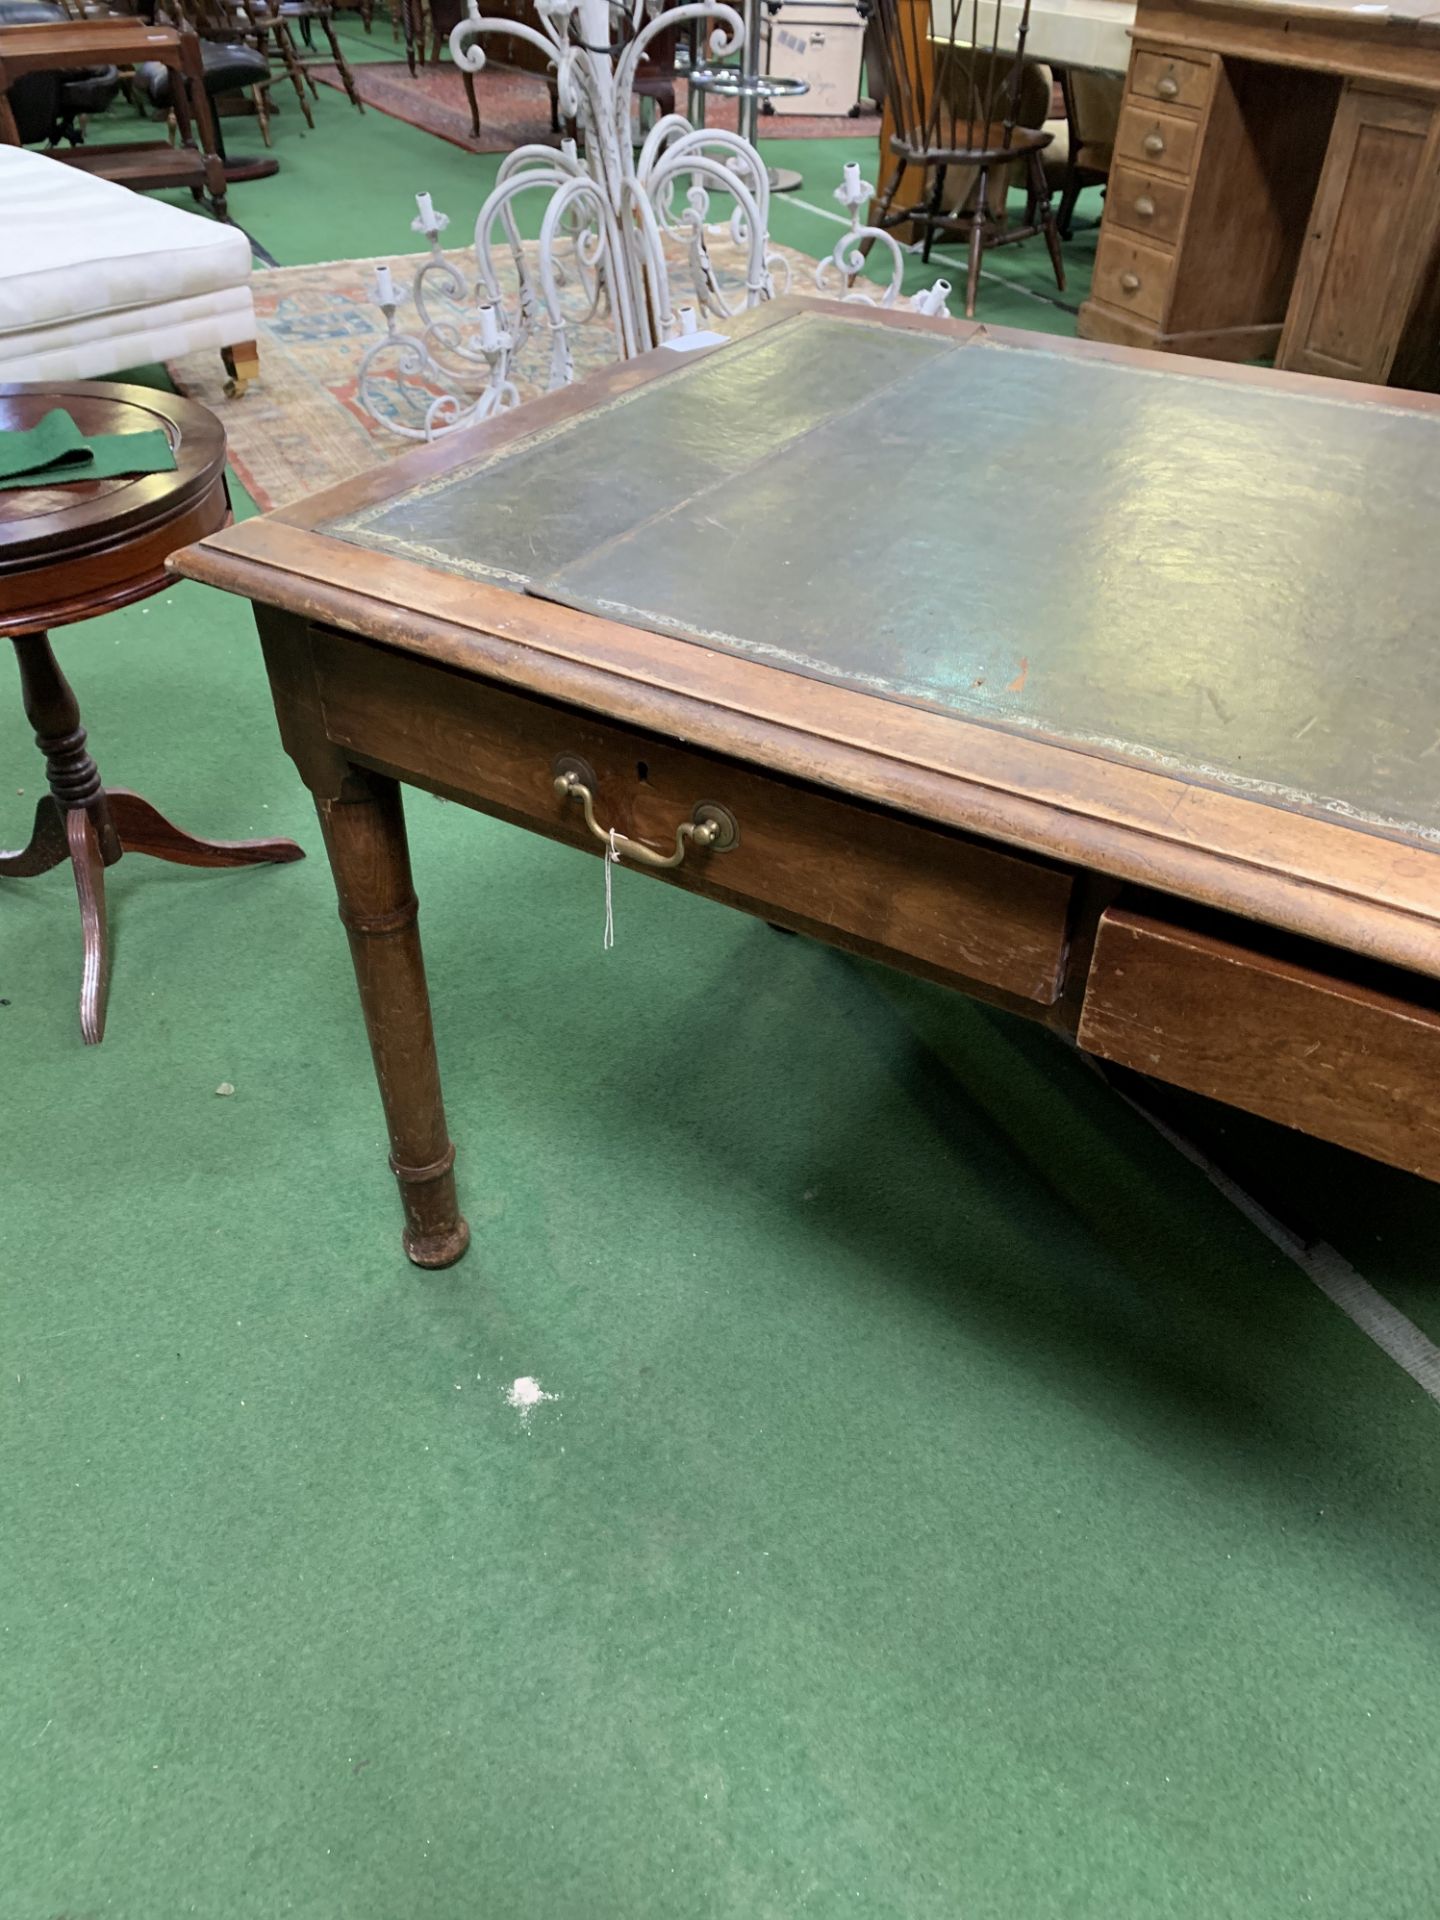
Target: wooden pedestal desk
{"type": "Point", "coordinates": [818, 625]}
{"type": "Point", "coordinates": [1276, 188]}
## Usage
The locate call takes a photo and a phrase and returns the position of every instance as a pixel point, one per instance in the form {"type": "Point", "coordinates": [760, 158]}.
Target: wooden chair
{"type": "Point", "coordinates": [1082, 158]}
{"type": "Point", "coordinates": [281, 17]}
{"type": "Point", "coordinates": [955, 102]}
{"type": "Point", "coordinates": [231, 62]}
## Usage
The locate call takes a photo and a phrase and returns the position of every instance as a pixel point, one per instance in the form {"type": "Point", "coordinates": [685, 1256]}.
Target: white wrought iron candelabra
{"type": "Point", "coordinates": [839, 273]}
{"type": "Point", "coordinates": [601, 255]}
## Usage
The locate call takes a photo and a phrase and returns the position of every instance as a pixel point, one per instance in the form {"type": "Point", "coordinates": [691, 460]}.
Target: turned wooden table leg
{"type": "Point", "coordinates": [54, 713]}
{"type": "Point", "coordinates": [77, 823]}
{"type": "Point", "coordinates": [365, 838]}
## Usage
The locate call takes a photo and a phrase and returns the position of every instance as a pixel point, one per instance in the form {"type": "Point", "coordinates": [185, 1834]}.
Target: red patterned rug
{"type": "Point", "coordinates": [515, 107]}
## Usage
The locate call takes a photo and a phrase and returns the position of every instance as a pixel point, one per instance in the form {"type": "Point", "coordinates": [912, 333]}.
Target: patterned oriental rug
{"type": "Point", "coordinates": [515, 106]}
{"type": "Point", "coordinates": [300, 427]}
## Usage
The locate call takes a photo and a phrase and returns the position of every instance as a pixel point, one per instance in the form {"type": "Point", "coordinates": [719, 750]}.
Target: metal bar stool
{"type": "Point", "coordinates": [747, 84]}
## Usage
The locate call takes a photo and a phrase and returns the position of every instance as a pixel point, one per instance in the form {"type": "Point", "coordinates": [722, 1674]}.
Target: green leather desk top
{"type": "Point", "coordinates": [1236, 583]}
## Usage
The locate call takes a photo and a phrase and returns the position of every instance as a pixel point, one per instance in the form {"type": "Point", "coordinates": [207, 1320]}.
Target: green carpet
{"type": "Point", "coordinates": [950, 1507]}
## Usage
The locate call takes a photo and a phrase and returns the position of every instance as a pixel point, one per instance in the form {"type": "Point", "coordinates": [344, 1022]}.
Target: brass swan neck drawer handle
{"type": "Point", "coordinates": [711, 828]}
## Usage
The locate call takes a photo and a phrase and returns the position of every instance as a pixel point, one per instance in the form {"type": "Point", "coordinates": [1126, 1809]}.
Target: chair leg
{"type": "Point", "coordinates": [328, 23]}
{"type": "Point", "coordinates": [977, 246]}
{"type": "Point", "coordinates": [291, 61]}
{"type": "Point", "coordinates": [260, 100]}
{"type": "Point", "coordinates": [877, 218]}
{"type": "Point", "coordinates": [1069, 194]}
{"type": "Point", "coordinates": [932, 214]}
{"type": "Point", "coordinates": [300, 67]}
{"type": "Point", "coordinates": [887, 194]}
{"type": "Point", "coordinates": [475, 105]}
{"type": "Point", "coordinates": [1047, 221]}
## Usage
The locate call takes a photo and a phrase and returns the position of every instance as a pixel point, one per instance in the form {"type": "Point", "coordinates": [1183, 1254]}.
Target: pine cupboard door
{"type": "Point", "coordinates": [1372, 234]}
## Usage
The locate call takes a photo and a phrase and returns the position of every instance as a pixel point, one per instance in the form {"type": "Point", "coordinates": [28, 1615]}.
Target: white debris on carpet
{"type": "Point", "coordinates": [525, 1395]}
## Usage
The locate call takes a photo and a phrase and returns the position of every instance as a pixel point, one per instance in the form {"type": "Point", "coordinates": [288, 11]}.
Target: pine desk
{"type": "Point", "coordinates": [1276, 188]}
{"type": "Point", "coordinates": [819, 626]}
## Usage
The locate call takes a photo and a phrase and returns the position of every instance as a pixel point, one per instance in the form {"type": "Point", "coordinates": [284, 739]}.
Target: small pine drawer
{"type": "Point", "coordinates": [1171, 79]}
{"type": "Point", "coordinates": [1146, 203]}
{"type": "Point", "coordinates": [1132, 277]}
{"type": "Point", "coordinates": [1152, 140]}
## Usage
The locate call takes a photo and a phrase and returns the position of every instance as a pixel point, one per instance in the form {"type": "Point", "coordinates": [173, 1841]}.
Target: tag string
{"type": "Point", "coordinates": [610, 862]}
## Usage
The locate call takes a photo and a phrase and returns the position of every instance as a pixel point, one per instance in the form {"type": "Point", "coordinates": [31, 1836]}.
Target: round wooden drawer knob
{"type": "Point", "coordinates": [1145, 207]}
{"type": "Point", "coordinates": [1154, 144]}
{"type": "Point", "coordinates": [1167, 87]}
{"type": "Point", "coordinates": [1130, 283]}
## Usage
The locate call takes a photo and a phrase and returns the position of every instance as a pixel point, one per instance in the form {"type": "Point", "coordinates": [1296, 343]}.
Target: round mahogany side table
{"type": "Point", "coordinates": [67, 553]}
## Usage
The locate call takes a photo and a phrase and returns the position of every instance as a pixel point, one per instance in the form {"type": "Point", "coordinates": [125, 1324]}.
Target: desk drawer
{"type": "Point", "coordinates": [1171, 79]}
{"type": "Point", "coordinates": [878, 883]}
{"type": "Point", "coordinates": [1132, 277]}
{"type": "Point", "coordinates": [1153, 140]}
{"type": "Point", "coordinates": [1147, 203]}
{"type": "Point", "coordinates": [1281, 1037]}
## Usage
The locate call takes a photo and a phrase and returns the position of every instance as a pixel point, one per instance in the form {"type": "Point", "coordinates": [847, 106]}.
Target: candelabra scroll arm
{"type": "Point", "coordinates": [757, 283]}
{"type": "Point", "coordinates": [580, 188]}
{"type": "Point", "coordinates": [718, 42]}
{"type": "Point", "coordinates": [670, 125]}
{"type": "Point", "coordinates": [497, 212]}
{"type": "Point", "coordinates": [521, 158]}
{"type": "Point", "coordinates": [654, 280]}
{"type": "Point", "coordinates": [469, 55]}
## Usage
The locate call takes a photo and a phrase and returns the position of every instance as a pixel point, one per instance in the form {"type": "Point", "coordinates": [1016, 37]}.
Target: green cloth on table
{"type": "Point", "coordinates": [57, 451]}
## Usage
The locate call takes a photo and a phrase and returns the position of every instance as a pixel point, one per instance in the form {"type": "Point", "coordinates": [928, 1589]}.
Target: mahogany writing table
{"type": "Point", "coordinates": [819, 625]}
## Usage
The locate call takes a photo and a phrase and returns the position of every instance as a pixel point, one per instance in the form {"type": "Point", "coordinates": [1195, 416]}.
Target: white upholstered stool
{"type": "Point", "coordinates": [97, 279]}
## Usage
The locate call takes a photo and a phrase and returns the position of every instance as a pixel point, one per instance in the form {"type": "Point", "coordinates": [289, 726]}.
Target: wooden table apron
{"type": "Point", "coordinates": [1268, 957]}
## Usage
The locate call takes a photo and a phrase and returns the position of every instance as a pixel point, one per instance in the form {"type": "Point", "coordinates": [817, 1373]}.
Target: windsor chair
{"type": "Point", "coordinates": [958, 101]}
